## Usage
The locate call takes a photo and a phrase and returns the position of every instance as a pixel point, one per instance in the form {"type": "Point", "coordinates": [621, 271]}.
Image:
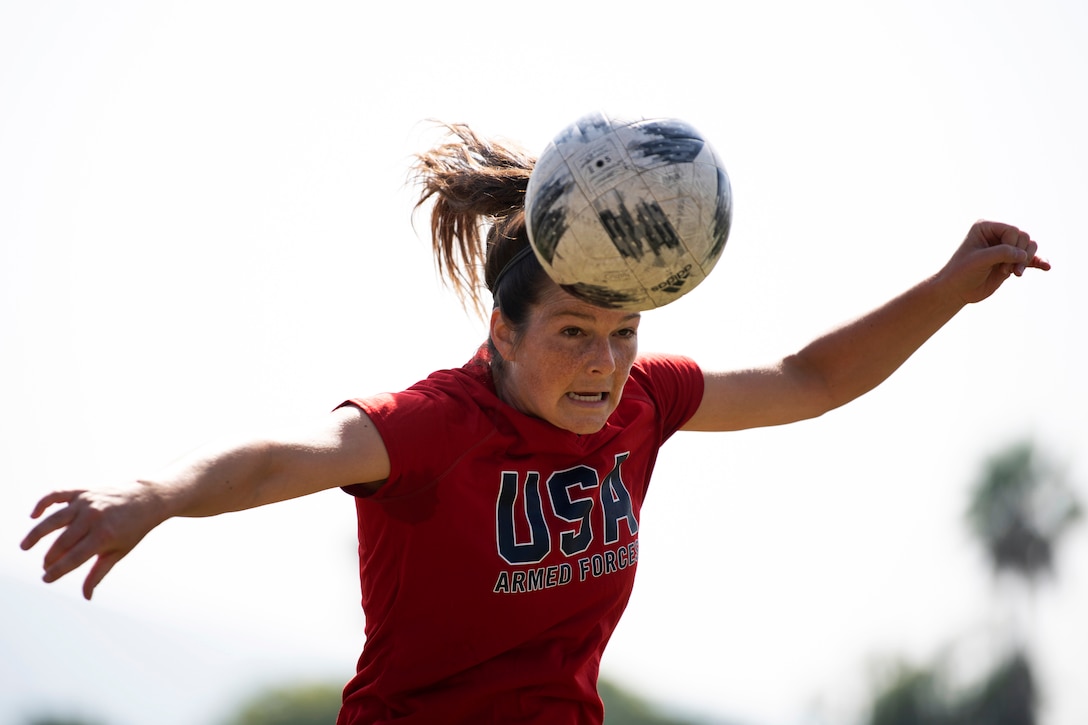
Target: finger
{"type": "Point", "coordinates": [70, 560]}
{"type": "Point", "coordinates": [994, 232]}
{"type": "Point", "coordinates": [1013, 237]}
{"type": "Point", "coordinates": [1006, 255]}
{"type": "Point", "coordinates": [1029, 248]}
{"type": "Point", "coordinates": [53, 498]}
{"type": "Point", "coordinates": [72, 535]}
{"type": "Point", "coordinates": [98, 572]}
{"type": "Point", "coordinates": [1038, 262]}
{"type": "Point", "coordinates": [58, 520]}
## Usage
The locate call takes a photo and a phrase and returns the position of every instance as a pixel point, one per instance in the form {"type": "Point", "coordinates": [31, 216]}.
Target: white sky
{"type": "Point", "coordinates": [204, 229]}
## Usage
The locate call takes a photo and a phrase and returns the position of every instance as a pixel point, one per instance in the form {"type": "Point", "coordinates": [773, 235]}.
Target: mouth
{"type": "Point", "coordinates": [588, 397]}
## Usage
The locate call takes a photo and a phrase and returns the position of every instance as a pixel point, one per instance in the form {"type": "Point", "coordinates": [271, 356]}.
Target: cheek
{"type": "Point", "coordinates": [556, 361]}
{"type": "Point", "coordinates": [624, 370]}
{"type": "Point", "coordinates": [548, 370]}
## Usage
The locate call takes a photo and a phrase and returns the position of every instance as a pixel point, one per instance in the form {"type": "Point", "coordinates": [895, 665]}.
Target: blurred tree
{"type": "Point", "coordinates": [912, 695]}
{"type": "Point", "coordinates": [307, 704]}
{"type": "Point", "coordinates": [921, 696]}
{"type": "Point", "coordinates": [1006, 697]}
{"type": "Point", "coordinates": [1020, 508]}
{"type": "Point", "coordinates": [623, 707]}
{"type": "Point", "coordinates": [318, 704]}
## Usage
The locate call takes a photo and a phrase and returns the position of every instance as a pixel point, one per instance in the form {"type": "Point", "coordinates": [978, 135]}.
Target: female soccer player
{"type": "Point", "coordinates": [499, 503]}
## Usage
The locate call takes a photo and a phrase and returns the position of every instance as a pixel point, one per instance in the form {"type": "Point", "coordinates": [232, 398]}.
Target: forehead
{"type": "Point", "coordinates": [557, 303]}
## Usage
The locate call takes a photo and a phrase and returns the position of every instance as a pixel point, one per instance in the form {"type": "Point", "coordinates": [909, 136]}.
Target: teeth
{"type": "Point", "coordinates": [587, 397]}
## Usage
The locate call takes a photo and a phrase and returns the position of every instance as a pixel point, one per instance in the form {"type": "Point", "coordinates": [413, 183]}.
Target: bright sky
{"type": "Point", "coordinates": [205, 230]}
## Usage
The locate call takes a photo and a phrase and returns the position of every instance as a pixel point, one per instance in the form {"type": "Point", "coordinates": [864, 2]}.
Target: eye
{"type": "Point", "coordinates": [571, 332]}
{"type": "Point", "coordinates": [627, 332]}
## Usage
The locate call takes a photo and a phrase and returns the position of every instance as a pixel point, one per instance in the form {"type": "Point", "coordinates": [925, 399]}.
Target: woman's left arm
{"type": "Point", "coordinates": [853, 359]}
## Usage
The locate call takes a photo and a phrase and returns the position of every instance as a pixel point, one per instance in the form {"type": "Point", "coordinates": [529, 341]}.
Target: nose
{"type": "Point", "coordinates": [602, 358]}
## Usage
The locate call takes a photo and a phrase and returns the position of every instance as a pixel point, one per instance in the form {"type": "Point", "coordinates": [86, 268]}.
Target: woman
{"type": "Point", "coordinates": [498, 503]}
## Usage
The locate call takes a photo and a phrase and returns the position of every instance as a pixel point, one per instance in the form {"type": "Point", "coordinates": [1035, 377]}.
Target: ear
{"type": "Point", "coordinates": [502, 335]}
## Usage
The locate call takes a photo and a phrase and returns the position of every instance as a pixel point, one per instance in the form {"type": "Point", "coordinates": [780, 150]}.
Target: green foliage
{"type": "Point", "coordinates": [1020, 508]}
{"type": "Point", "coordinates": [912, 696]}
{"type": "Point", "coordinates": [921, 696]}
{"type": "Point", "coordinates": [622, 707]}
{"type": "Point", "coordinates": [308, 704]}
{"type": "Point", "coordinates": [1006, 697]}
{"type": "Point", "coordinates": [318, 704]}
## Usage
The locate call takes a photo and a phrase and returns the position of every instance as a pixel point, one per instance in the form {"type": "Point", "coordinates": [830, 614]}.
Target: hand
{"type": "Point", "coordinates": [991, 253]}
{"type": "Point", "coordinates": [104, 524]}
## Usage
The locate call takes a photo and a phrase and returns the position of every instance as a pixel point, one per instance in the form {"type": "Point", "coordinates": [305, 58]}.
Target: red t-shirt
{"type": "Point", "coordinates": [498, 557]}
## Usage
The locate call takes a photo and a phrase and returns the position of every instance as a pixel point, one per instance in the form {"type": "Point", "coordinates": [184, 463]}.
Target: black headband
{"type": "Point", "coordinates": [518, 256]}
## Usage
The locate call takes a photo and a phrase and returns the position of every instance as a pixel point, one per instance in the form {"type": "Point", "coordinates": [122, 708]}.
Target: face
{"type": "Point", "coordinates": [570, 363]}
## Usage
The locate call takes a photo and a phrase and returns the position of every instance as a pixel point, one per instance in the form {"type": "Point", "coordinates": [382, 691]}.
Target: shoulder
{"type": "Point", "coordinates": [432, 423]}
{"type": "Point", "coordinates": [659, 371]}
{"type": "Point", "coordinates": [443, 392]}
{"type": "Point", "coordinates": [651, 363]}
{"type": "Point", "coordinates": [672, 384]}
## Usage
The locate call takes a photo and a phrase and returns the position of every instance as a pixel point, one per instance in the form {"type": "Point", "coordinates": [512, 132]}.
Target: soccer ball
{"type": "Point", "coordinates": [628, 214]}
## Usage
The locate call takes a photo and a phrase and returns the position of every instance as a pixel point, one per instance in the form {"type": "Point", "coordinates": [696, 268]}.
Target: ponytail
{"type": "Point", "coordinates": [478, 218]}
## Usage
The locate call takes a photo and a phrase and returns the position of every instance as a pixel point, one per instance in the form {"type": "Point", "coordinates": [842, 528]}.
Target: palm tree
{"type": "Point", "coordinates": [1021, 507]}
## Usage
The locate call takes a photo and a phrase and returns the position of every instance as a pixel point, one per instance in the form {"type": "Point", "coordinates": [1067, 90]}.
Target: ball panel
{"type": "Point", "coordinates": [681, 280]}
{"type": "Point", "coordinates": [704, 182]}
{"type": "Point", "coordinates": [588, 253]}
{"type": "Point", "coordinates": [723, 216]}
{"type": "Point", "coordinates": [585, 131]}
{"type": "Point", "coordinates": [609, 297]}
{"type": "Point", "coordinates": [635, 224]}
{"type": "Point", "coordinates": [689, 221]}
{"type": "Point", "coordinates": [659, 141]}
{"type": "Point", "coordinates": [669, 181]}
{"type": "Point", "coordinates": [586, 128]}
{"type": "Point", "coordinates": [547, 202]}
{"type": "Point", "coordinates": [601, 165]}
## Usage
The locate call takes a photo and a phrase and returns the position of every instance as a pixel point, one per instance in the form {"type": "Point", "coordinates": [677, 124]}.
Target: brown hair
{"type": "Point", "coordinates": [478, 220]}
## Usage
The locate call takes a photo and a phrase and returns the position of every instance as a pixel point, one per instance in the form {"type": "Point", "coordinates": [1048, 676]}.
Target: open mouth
{"type": "Point", "coordinates": [588, 397]}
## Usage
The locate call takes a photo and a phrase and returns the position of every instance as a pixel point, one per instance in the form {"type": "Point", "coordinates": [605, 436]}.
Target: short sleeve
{"type": "Point", "coordinates": [425, 429]}
{"type": "Point", "coordinates": [675, 384]}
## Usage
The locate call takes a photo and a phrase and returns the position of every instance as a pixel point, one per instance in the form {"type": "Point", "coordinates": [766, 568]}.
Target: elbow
{"type": "Point", "coordinates": [815, 393]}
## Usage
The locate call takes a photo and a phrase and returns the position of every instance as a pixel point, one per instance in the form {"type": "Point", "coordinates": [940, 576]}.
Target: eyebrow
{"type": "Point", "coordinates": [587, 316]}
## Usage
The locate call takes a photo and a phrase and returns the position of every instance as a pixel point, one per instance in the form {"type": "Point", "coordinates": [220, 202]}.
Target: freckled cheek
{"type": "Point", "coordinates": [556, 372]}
{"type": "Point", "coordinates": [565, 364]}
{"type": "Point", "coordinates": [623, 371]}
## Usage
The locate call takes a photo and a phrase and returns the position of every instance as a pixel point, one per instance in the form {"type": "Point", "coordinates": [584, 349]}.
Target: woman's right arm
{"type": "Point", "coordinates": [341, 449]}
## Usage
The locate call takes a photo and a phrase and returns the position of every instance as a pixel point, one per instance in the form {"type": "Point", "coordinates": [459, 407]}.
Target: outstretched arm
{"type": "Point", "coordinates": [341, 449]}
{"type": "Point", "coordinates": [853, 359]}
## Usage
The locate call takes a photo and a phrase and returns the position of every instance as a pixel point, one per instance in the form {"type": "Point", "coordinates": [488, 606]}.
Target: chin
{"type": "Point", "coordinates": [586, 427]}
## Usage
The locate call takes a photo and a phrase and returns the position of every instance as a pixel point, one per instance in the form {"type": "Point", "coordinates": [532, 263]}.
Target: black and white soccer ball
{"type": "Point", "coordinates": [628, 214]}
